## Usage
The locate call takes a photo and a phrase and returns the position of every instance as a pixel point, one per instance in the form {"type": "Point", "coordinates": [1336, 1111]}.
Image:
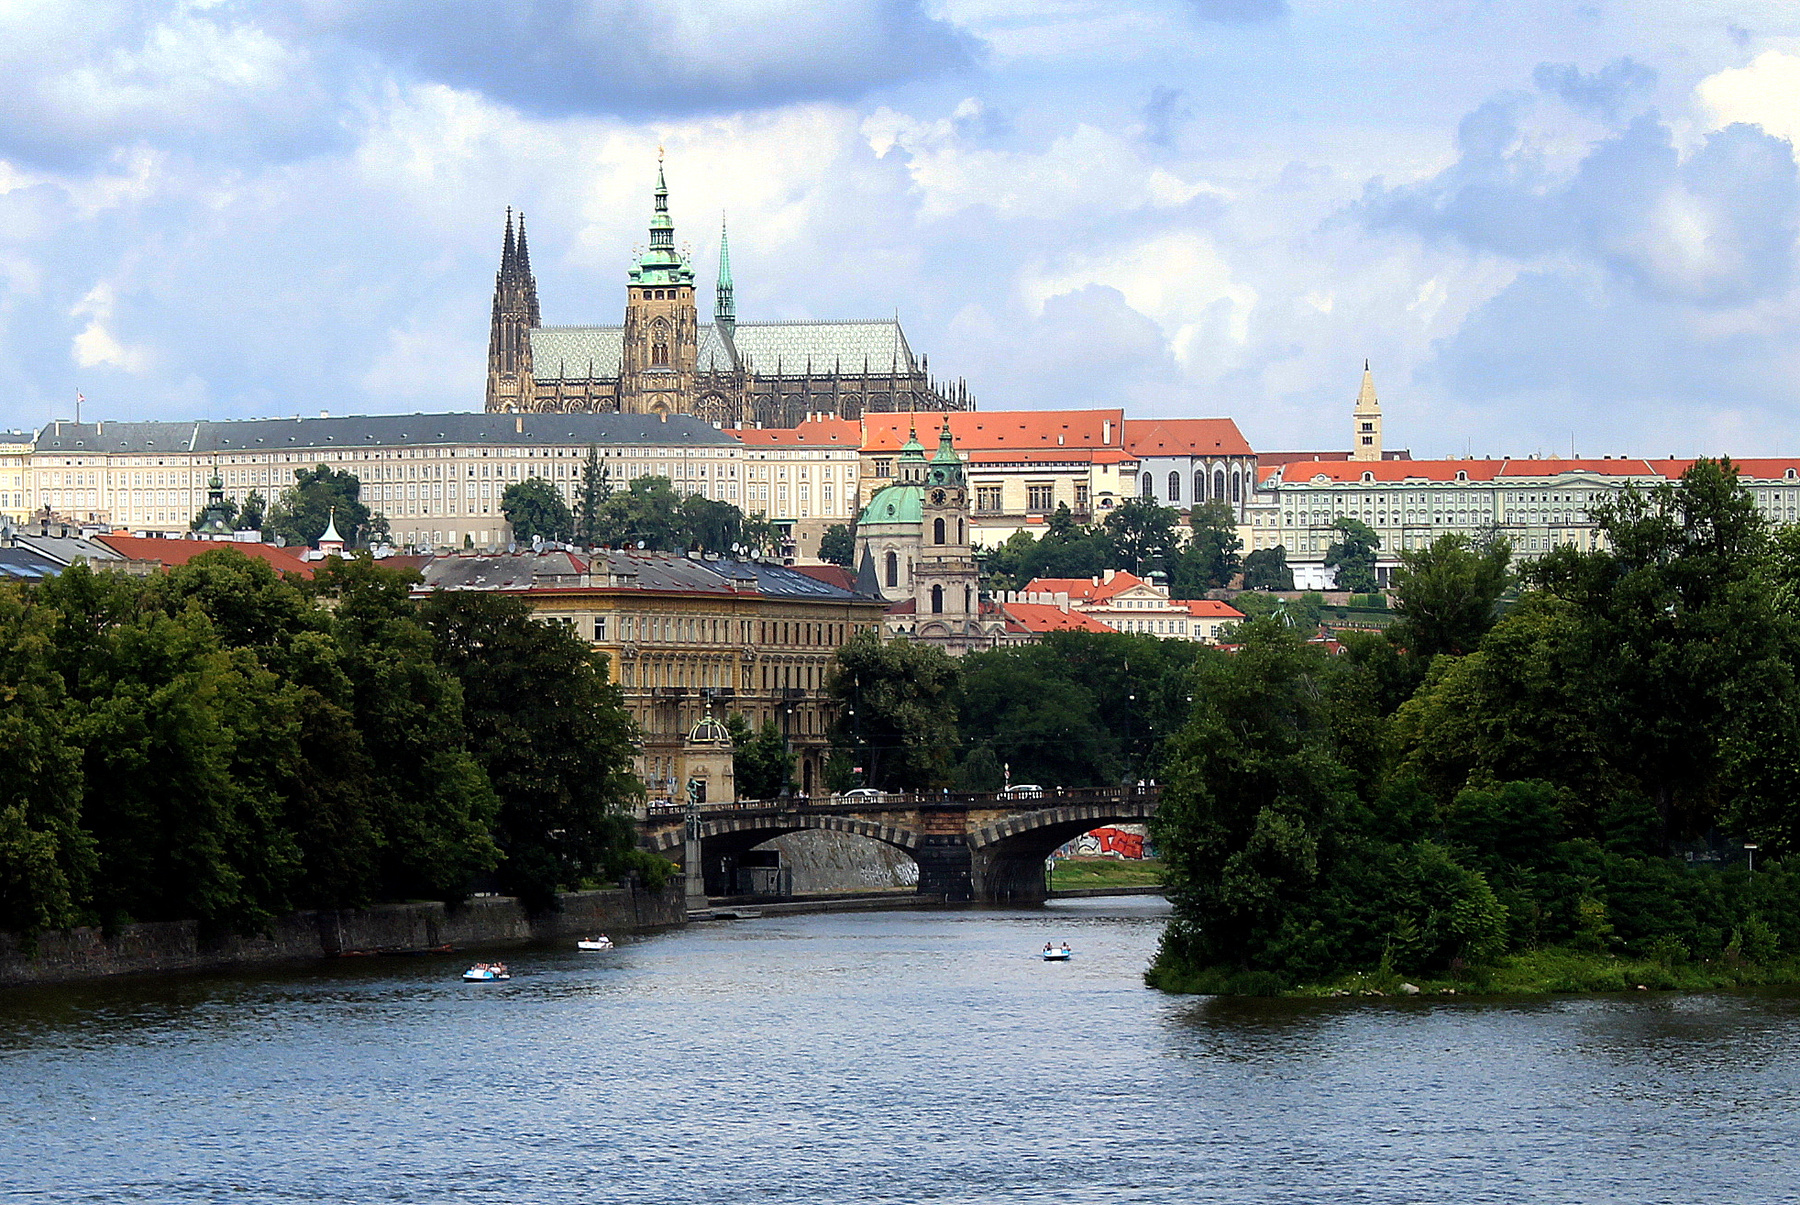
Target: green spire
{"type": "Point", "coordinates": [661, 263]}
{"type": "Point", "coordinates": [724, 308]}
{"type": "Point", "coordinates": [946, 453]}
{"type": "Point", "coordinates": [912, 449]}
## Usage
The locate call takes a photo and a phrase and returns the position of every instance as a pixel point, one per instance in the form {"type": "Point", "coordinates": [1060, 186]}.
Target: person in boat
{"type": "Point", "coordinates": [1048, 947]}
{"type": "Point", "coordinates": [1065, 948]}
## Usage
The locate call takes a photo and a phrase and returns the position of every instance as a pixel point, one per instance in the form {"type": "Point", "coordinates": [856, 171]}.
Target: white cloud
{"type": "Point", "coordinates": [95, 346]}
{"type": "Point", "coordinates": [1179, 280]}
{"type": "Point", "coordinates": [1764, 93]}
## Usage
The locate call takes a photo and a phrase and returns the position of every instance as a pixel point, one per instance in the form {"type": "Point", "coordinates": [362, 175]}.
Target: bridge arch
{"type": "Point", "coordinates": [1008, 854]}
{"type": "Point", "coordinates": [754, 830]}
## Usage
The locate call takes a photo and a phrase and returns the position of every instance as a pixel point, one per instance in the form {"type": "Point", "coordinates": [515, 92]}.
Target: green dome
{"type": "Point", "coordinates": [895, 504]}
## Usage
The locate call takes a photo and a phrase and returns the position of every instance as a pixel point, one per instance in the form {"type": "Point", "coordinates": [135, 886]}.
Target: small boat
{"type": "Point", "coordinates": [1060, 953]}
{"type": "Point", "coordinates": [483, 972]}
{"type": "Point", "coordinates": [602, 942]}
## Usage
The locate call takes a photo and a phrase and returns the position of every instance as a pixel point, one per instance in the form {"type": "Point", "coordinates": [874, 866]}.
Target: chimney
{"type": "Point", "coordinates": [324, 414]}
{"type": "Point", "coordinates": [518, 424]}
{"type": "Point", "coordinates": [1109, 576]}
{"type": "Point", "coordinates": [1106, 431]}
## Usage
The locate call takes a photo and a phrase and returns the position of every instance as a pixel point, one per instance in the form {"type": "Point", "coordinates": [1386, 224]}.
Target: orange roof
{"type": "Point", "coordinates": [818, 433]}
{"type": "Point", "coordinates": [171, 553]}
{"type": "Point", "coordinates": [1084, 589]}
{"type": "Point", "coordinates": [1046, 617]}
{"type": "Point", "coordinates": [1185, 437]}
{"type": "Point", "coordinates": [1210, 608]}
{"type": "Point", "coordinates": [831, 575]}
{"type": "Point", "coordinates": [999, 430]}
{"type": "Point", "coordinates": [1508, 469]}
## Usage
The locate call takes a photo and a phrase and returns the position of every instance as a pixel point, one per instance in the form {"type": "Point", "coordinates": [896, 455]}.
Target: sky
{"type": "Point", "coordinates": [1549, 227]}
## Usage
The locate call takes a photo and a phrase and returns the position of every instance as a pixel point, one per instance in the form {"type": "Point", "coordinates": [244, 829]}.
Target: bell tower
{"type": "Point", "coordinates": [1365, 440]}
{"type": "Point", "coordinates": [945, 577]}
{"type": "Point", "coordinates": [661, 327]}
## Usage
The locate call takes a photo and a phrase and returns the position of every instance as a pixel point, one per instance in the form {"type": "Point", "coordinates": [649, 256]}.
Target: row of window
{"type": "Point", "coordinates": [1220, 484]}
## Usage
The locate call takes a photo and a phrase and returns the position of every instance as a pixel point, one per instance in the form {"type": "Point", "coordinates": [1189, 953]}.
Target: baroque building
{"type": "Point", "coordinates": [663, 360]}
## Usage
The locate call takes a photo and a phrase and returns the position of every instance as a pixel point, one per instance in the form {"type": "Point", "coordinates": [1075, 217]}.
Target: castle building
{"type": "Point", "coordinates": [664, 360]}
{"type": "Point", "coordinates": [913, 550]}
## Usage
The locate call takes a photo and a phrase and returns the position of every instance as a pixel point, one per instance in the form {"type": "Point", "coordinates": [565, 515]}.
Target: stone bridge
{"type": "Point", "coordinates": [968, 847]}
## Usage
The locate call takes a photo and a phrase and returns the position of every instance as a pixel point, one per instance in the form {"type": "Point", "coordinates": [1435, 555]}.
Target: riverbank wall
{"type": "Point", "coordinates": [71, 955]}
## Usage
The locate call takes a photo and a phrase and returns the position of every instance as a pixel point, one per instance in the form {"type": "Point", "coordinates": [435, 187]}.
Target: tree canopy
{"type": "Point", "coordinates": [319, 496]}
{"type": "Point", "coordinates": [838, 545]}
{"type": "Point", "coordinates": [535, 509]}
{"type": "Point", "coordinates": [1352, 554]}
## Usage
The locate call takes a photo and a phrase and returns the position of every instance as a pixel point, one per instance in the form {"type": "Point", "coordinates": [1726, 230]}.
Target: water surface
{"type": "Point", "coordinates": [917, 1056]}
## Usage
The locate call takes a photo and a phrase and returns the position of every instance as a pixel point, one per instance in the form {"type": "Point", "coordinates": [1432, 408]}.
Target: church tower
{"type": "Point", "coordinates": [510, 385]}
{"type": "Point", "coordinates": [1366, 443]}
{"type": "Point", "coordinates": [661, 328]}
{"type": "Point", "coordinates": [945, 577]}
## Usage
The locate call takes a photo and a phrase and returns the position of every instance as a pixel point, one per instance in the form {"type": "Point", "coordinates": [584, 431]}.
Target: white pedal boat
{"type": "Point", "coordinates": [483, 973]}
{"type": "Point", "coordinates": [603, 942]}
{"type": "Point", "coordinates": [1057, 954]}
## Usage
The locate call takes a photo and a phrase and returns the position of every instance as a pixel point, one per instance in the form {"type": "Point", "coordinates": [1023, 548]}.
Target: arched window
{"type": "Point", "coordinates": [1149, 486]}
{"type": "Point", "coordinates": [937, 531]}
{"type": "Point", "coordinates": [1237, 486]}
{"type": "Point", "coordinates": [1174, 487]}
{"type": "Point", "coordinates": [968, 600]}
{"type": "Point", "coordinates": [961, 536]}
{"type": "Point", "coordinates": [1200, 485]}
{"type": "Point", "coordinates": [1218, 485]}
{"type": "Point", "coordinates": [893, 569]}
{"type": "Point", "coordinates": [937, 600]}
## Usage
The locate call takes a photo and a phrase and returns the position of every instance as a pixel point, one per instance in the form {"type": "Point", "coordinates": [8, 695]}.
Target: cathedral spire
{"type": "Point", "coordinates": [662, 263]}
{"type": "Point", "coordinates": [724, 307]}
{"type": "Point", "coordinates": [507, 250]}
{"type": "Point", "coordinates": [1366, 441]}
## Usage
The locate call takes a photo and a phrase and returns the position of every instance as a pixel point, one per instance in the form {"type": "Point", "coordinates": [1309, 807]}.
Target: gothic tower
{"type": "Point", "coordinates": [661, 328]}
{"type": "Point", "coordinates": [1365, 442]}
{"type": "Point", "coordinates": [509, 384]}
{"type": "Point", "coordinates": [945, 576]}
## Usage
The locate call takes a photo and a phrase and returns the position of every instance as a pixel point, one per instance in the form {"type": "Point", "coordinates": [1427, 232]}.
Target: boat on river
{"type": "Point", "coordinates": [602, 942]}
{"type": "Point", "coordinates": [1060, 953]}
{"type": "Point", "coordinates": [483, 972]}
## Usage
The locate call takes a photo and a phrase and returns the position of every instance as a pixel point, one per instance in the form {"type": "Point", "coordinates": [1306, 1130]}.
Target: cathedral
{"type": "Point", "coordinates": [664, 360]}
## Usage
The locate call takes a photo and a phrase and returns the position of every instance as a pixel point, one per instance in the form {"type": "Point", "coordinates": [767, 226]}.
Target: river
{"type": "Point", "coordinates": [924, 1056]}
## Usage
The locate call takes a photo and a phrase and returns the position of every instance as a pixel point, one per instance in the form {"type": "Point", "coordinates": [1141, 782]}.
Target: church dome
{"type": "Point", "coordinates": [709, 732]}
{"type": "Point", "coordinates": [895, 504]}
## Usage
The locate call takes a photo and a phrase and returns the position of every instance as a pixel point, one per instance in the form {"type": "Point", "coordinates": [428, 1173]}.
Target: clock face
{"type": "Point", "coordinates": [937, 497]}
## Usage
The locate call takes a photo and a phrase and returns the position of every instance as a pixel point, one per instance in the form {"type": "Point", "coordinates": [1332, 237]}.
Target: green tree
{"type": "Point", "coordinates": [1211, 559]}
{"type": "Point", "coordinates": [553, 735]}
{"type": "Point", "coordinates": [761, 537]}
{"type": "Point", "coordinates": [1447, 595]}
{"type": "Point", "coordinates": [762, 764]}
{"type": "Point", "coordinates": [710, 526]}
{"type": "Point", "coordinates": [1142, 533]}
{"type": "Point", "coordinates": [318, 497]}
{"type": "Point", "coordinates": [645, 513]}
{"type": "Point", "coordinates": [536, 511]}
{"type": "Point", "coordinates": [381, 532]}
{"type": "Point", "coordinates": [838, 545]}
{"type": "Point", "coordinates": [250, 516]}
{"type": "Point", "coordinates": [897, 711]}
{"type": "Point", "coordinates": [47, 861]}
{"type": "Point", "coordinates": [590, 499]}
{"type": "Point", "coordinates": [1353, 555]}
{"type": "Point", "coordinates": [1267, 569]}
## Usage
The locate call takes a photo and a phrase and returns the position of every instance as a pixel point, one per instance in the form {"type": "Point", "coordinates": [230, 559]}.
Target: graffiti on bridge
{"type": "Point", "coordinates": [1126, 841]}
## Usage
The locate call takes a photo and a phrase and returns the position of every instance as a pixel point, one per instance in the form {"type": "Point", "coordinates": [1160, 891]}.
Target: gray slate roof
{"type": "Point", "coordinates": [654, 572]}
{"type": "Point", "coordinates": [580, 353]}
{"type": "Point", "coordinates": [380, 430]}
{"type": "Point", "coordinates": [23, 563]}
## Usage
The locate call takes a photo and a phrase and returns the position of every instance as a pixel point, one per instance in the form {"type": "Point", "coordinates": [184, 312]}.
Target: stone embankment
{"type": "Point", "coordinates": [77, 954]}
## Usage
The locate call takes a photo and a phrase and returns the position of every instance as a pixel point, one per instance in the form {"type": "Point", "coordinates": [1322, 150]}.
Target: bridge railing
{"type": "Point", "coordinates": [913, 801]}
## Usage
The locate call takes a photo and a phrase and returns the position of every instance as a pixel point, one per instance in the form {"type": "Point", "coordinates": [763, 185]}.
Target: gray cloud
{"type": "Point", "coordinates": [1164, 114]}
{"type": "Point", "coordinates": [1604, 92]}
{"type": "Point", "coordinates": [1717, 229]}
{"type": "Point", "coordinates": [636, 57]}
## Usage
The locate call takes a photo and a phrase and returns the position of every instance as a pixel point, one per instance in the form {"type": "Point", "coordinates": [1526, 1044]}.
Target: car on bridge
{"type": "Point", "coordinates": [860, 794]}
{"type": "Point", "coordinates": [1024, 790]}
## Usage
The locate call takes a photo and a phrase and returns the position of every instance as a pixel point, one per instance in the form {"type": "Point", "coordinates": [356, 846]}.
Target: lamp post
{"type": "Point", "coordinates": [1750, 849]}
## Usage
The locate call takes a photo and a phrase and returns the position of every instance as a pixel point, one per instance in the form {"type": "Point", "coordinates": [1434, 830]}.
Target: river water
{"type": "Point", "coordinates": [911, 1056]}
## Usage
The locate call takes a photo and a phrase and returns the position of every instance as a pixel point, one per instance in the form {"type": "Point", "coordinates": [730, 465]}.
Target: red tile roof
{"type": "Point", "coordinates": [1084, 589]}
{"type": "Point", "coordinates": [1185, 437]}
{"type": "Point", "coordinates": [1507, 469]}
{"type": "Point", "coordinates": [831, 575]}
{"type": "Point", "coordinates": [1045, 617]}
{"type": "Point", "coordinates": [1000, 430]}
{"type": "Point", "coordinates": [171, 553]}
{"type": "Point", "coordinates": [1210, 608]}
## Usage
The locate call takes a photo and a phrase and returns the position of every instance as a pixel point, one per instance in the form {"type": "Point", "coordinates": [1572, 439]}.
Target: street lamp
{"type": "Point", "coordinates": [1750, 849]}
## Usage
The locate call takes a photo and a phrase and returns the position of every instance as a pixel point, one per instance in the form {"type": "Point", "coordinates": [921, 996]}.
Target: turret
{"type": "Point", "coordinates": [1365, 442]}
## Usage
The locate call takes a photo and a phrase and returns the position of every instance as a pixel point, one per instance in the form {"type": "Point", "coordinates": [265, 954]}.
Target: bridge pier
{"type": "Point", "coordinates": [946, 867]}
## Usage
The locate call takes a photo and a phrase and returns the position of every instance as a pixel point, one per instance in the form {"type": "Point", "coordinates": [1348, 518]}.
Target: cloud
{"type": "Point", "coordinates": [1716, 228]}
{"type": "Point", "coordinates": [1604, 93]}
{"type": "Point", "coordinates": [1765, 93]}
{"type": "Point", "coordinates": [85, 79]}
{"type": "Point", "coordinates": [643, 57]}
{"type": "Point", "coordinates": [95, 346]}
{"type": "Point", "coordinates": [1164, 114]}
